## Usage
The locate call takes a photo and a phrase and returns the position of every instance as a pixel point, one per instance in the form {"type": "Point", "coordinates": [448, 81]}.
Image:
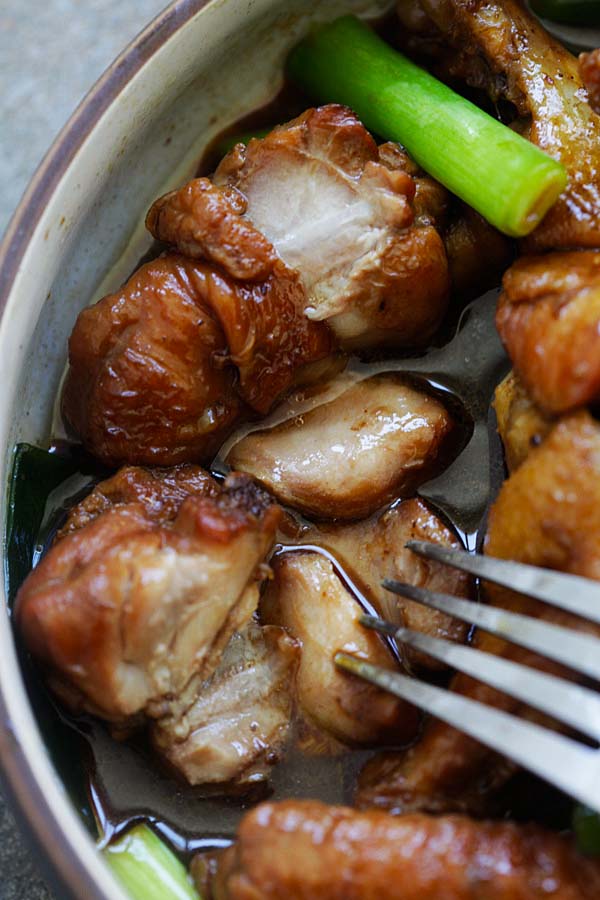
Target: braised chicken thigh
{"type": "Point", "coordinates": [304, 849]}
{"type": "Point", "coordinates": [126, 610]}
{"type": "Point", "coordinates": [237, 723]}
{"type": "Point", "coordinates": [375, 549]}
{"type": "Point", "coordinates": [338, 210]}
{"type": "Point", "coordinates": [310, 601]}
{"type": "Point", "coordinates": [549, 320]}
{"type": "Point", "coordinates": [152, 375]}
{"type": "Point", "coordinates": [347, 457]}
{"type": "Point", "coordinates": [521, 424]}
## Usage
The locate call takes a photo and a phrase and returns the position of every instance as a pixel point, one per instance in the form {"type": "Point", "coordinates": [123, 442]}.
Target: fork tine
{"type": "Point", "coordinates": [569, 703]}
{"type": "Point", "coordinates": [572, 767]}
{"type": "Point", "coordinates": [577, 595]}
{"type": "Point", "coordinates": [581, 652]}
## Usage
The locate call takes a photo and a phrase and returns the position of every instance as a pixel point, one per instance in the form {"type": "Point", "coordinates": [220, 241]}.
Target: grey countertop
{"type": "Point", "coordinates": [51, 52]}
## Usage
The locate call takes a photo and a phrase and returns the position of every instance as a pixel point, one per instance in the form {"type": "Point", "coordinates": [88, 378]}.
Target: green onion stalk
{"type": "Point", "coordinates": [507, 179]}
{"type": "Point", "coordinates": [147, 869]}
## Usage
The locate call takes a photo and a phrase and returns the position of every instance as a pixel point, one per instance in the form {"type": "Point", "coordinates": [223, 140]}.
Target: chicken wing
{"type": "Point", "coordinates": [548, 318]}
{"type": "Point", "coordinates": [153, 369]}
{"type": "Point", "coordinates": [547, 514]}
{"type": "Point", "coordinates": [499, 47]}
{"type": "Point", "coordinates": [309, 600]}
{"type": "Point", "coordinates": [125, 611]}
{"type": "Point", "coordinates": [350, 456]}
{"type": "Point", "coordinates": [306, 849]}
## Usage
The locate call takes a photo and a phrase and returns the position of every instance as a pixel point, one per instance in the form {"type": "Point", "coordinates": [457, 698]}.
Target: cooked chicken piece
{"type": "Point", "coordinates": [549, 321]}
{"type": "Point", "coordinates": [308, 599]}
{"type": "Point", "coordinates": [498, 46]}
{"type": "Point", "coordinates": [547, 514]}
{"type": "Point", "coordinates": [589, 68]}
{"type": "Point", "coordinates": [152, 375]}
{"type": "Point", "coordinates": [521, 424]}
{"type": "Point", "coordinates": [238, 722]}
{"type": "Point", "coordinates": [160, 493]}
{"type": "Point", "coordinates": [374, 549]}
{"type": "Point", "coordinates": [205, 222]}
{"type": "Point", "coordinates": [303, 849]}
{"type": "Point", "coordinates": [125, 611]}
{"type": "Point", "coordinates": [477, 253]}
{"type": "Point", "coordinates": [346, 458]}
{"type": "Point", "coordinates": [338, 210]}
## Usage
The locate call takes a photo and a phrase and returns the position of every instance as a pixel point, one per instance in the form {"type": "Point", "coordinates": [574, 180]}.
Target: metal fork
{"type": "Point", "coordinates": [564, 761]}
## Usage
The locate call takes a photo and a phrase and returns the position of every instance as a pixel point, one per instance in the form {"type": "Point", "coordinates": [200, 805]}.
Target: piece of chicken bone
{"type": "Point", "coordinates": [349, 456]}
{"type": "Point", "coordinates": [499, 47]}
{"type": "Point", "coordinates": [547, 514]}
{"type": "Point", "coordinates": [126, 610]}
{"type": "Point", "coordinates": [336, 209]}
{"type": "Point", "coordinates": [161, 371]}
{"type": "Point", "coordinates": [308, 599]}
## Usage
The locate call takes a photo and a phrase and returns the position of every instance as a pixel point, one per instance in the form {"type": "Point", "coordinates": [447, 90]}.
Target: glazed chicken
{"type": "Point", "coordinates": [349, 456]}
{"type": "Point", "coordinates": [302, 850]}
{"type": "Point", "coordinates": [498, 47]}
{"type": "Point", "coordinates": [338, 210]}
{"type": "Point", "coordinates": [375, 549]}
{"type": "Point", "coordinates": [141, 594]}
{"type": "Point", "coordinates": [238, 722]}
{"type": "Point", "coordinates": [152, 368]}
{"type": "Point", "coordinates": [547, 514]}
{"type": "Point", "coordinates": [310, 601]}
{"type": "Point", "coordinates": [548, 318]}
{"type": "Point", "coordinates": [521, 424]}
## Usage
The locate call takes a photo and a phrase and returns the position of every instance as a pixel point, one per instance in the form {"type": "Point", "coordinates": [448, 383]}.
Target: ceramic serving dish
{"type": "Point", "coordinates": [77, 234]}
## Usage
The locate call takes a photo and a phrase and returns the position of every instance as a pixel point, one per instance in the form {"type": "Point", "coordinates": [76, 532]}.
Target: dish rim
{"type": "Point", "coordinates": [66, 859]}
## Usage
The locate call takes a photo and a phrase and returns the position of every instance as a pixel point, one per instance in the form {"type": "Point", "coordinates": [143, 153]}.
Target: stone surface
{"type": "Point", "coordinates": [51, 52]}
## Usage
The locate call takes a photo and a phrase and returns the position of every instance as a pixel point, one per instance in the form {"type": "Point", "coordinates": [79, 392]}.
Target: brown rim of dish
{"type": "Point", "coordinates": [61, 860]}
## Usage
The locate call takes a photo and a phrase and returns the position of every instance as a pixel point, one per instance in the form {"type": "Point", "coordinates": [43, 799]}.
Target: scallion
{"type": "Point", "coordinates": [509, 180]}
{"type": "Point", "coordinates": [147, 869]}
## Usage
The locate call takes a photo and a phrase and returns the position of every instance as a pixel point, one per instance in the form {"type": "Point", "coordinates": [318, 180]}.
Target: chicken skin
{"type": "Point", "coordinates": [374, 549]}
{"type": "Point", "coordinates": [548, 318]}
{"type": "Point", "coordinates": [349, 456]}
{"type": "Point", "coordinates": [310, 601]}
{"type": "Point", "coordinates": [306, 849]}
{"type": "Point", "coordinates": [499, 47]}
{"type": "Point", "coordinates": [161, 371]}
{"type": "Point", "coordinates": [126, 610]}
{"type": "Point", "coordinates": [338, 209]}
{"type": "Point", "coordinates": [547, 514]}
